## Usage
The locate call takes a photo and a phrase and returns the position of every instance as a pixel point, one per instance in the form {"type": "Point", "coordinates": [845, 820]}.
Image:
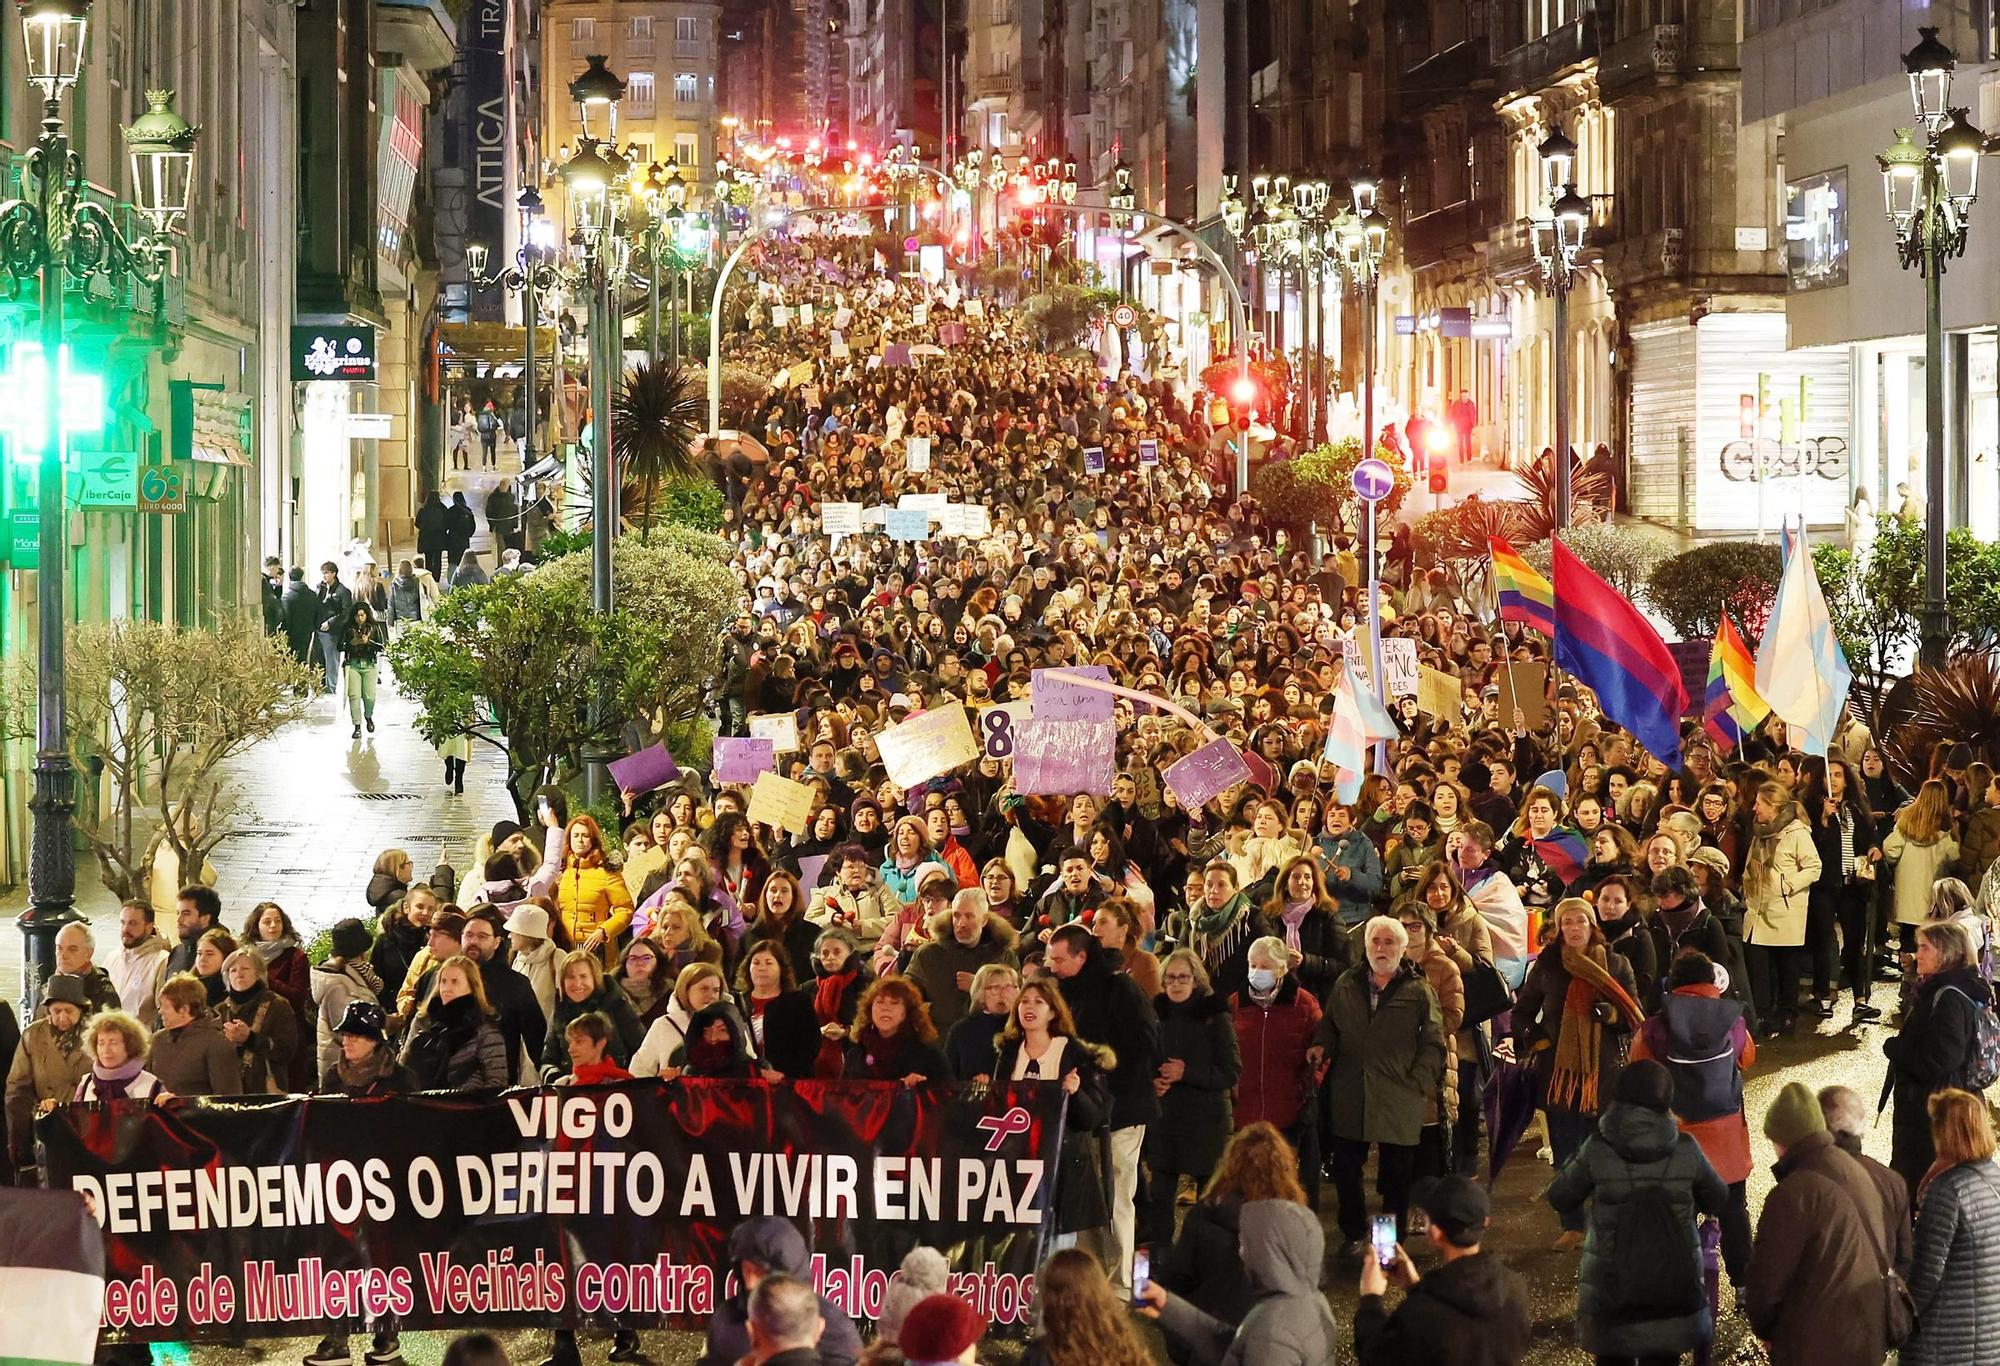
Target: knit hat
{"type": "Point", "coordinates": [504, 831]}
{"type": "Point", "coordinates": [1794, 1114]}
{"type": "Point", "coordinates": [925, 1273]}
{"type": "Point", "coordinates": [1645, 1083]}
{"type": "Point", "coordinates": [66, 988]}
{"type": "Point", "coordinates": [350, 939]}
{"type": "Point", "coordinates": [448, 923]}
{"type": "Point", "coordinates": [938, 1330]}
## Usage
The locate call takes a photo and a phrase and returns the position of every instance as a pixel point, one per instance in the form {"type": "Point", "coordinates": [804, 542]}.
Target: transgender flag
{"type": "Point", "coordinates": [1359, 720]}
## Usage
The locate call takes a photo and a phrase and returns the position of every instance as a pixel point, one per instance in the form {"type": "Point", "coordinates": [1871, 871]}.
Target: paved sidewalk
{"type": "Point", "coordinates": [316, 808]}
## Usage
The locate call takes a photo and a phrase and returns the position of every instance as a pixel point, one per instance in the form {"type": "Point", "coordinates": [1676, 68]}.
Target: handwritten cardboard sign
{"type": "Point", "coordinates": [926, 745]}
{"type": "Point", "coordinates": [780, 728]}
{"type": "Point", "coordinates": [1399, 663]}
{"type": "Point", "coordinates": [1439, 695]}
{"type": "Point", "coordinates": [1063, 758]}
{"type": "Point", "coordinates": [996, 727]}
{"type": "Point", "coordinates": [781, 803]}
{"type": "Point", "coordinates": [739, 760]}
{"type": "Point", "coordinates": [1057, 699]}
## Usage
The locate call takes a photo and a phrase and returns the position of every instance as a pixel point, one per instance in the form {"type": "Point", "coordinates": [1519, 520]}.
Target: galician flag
{"type": "Point", "coordinates": [51, 1279]}
{"type": "Point", "coordinates": [1359, 720]}
{"type": "Point", "coordinates": [1801, 671]}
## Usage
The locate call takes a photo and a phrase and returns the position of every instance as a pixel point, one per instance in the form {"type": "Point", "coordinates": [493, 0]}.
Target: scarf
{"type": "Point", "coordinates": [1294, 915]}
{"type": "Point", "coordinates": [1208, 924]}
{"type": "Point", "coordinates": [1678, 922]}
{"type": "Point", "coordinates": [709, 1059]}
{"type": "Point", "coordinates": [113, 1083]}
{"type": "Point", "coordinates": [271, 950]}
{"type": "Point", "coordinates": [359, 1076]}
{"type": "Point", "coordinates": [1759, 876]}
{"type": "Point", "coordinates": [1573, 1083]}
{"type": "Point", "coordinates": [826, 996]}
{"type": "Point", "coordinates": [597, 1073]}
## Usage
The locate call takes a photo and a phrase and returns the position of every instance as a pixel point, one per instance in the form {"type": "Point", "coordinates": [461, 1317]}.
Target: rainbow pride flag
{"type": "Point", "coordinates": [1525, 596]}
{"type": "Point", "coordinates": [1730, 702]}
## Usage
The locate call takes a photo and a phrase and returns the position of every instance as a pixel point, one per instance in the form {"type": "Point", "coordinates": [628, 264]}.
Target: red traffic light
{"type": "Point", "coordinates": [1243, 392]}
{"type": "Point", "coordinates": [1440, 479]}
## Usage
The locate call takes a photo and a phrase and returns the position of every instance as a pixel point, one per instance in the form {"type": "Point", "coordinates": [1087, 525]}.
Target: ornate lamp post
{"type": "Point", "coordinates": [1929, 190]}
{"type": "Point", "coordinates": [535, 271]}
{"type": "Point", "coordinates": [1558, 239]}
{"type": "Point", "coordinates": [54, 236]}
{"type": "Point", "coordinates": [1363, 237]}
{"type": "Point", "coordinates": [1122, 201]}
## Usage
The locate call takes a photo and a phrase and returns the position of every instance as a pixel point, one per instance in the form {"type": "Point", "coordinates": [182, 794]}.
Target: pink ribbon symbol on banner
{"type": "Point", "coordinates": [1000, 1128]}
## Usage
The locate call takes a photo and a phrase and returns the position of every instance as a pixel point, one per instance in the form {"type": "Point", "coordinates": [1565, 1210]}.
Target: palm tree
{"type": "Point", "coordinates": [657, 416]}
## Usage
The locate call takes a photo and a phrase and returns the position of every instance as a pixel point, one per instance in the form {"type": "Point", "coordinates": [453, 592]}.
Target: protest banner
{"type": "Point", "coordinates": [781, 803]}
{"type": "Point", "coordinates": [927, 744]}
{"type": "Point", "coordinates": [1063, 758]}
{"type": "Point", "coordinates": [269, 1217]}
{"type": "Point", "coordinates": [781, 728]}
{"type": "Point", "coordinates": [738, 760]}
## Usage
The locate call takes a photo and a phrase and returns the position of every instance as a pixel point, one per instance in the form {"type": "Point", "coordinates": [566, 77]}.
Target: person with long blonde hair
{"type": "Point", "coordinates": [1922, 844]}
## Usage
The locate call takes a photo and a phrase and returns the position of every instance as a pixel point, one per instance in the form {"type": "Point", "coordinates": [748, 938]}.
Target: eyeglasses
{"type": "Point", "coordinates": [1178, 977]}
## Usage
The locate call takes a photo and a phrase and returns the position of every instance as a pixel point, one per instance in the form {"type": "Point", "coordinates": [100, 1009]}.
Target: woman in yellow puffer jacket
{"type": "Point", "coordinates": [593, 901]}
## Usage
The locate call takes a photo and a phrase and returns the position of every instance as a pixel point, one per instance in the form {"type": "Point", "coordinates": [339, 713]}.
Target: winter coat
{"type": "Point", "coordinates": [196, 1060]}
{"type": "Point", "coordinates": [1288, 1322]}
{"type": "Point", "coordinates": [289, 974]}
{"type": "Point", "coordinates": [397, 944]}
{"type": "Point", "coordinates": [335, 983]}
{"type": "Point", "coordinates": [871, 1058]}
{"type": "Point", "coordinates": [776, 1245]}
{"type": "Point", "coordinates": [1955, 1276]}
{"type": "Point", "coordinates": [1204, 1268]}
{"type": "Point", "coordinates": [1449, 988]}
{"type": "Point", "coordinates": [797, 936]}
{"type": "Point", "coordinates": [1326, 949]}
{"type": "Point", "coordinates": [1386, 1060]}
{"type": "Point", "coordinates": [591, 899]}
{"type": "Point", "coordinates": [1980, 846]}
{"type": "Point", "coordinates": [1917, 867]}
{"type": "Point", "coordinates": [626, 1032]}
{"type": "Point", "coordinates": [1277, 1081]}
{"type": "Point", "coordinates": [865, 912]}
{"type": "Point", "coordinates": [663, 1040]}
{"type": "Point", "coordinates": [972, 1045]}
{"type": "Point", "coordinates": [1632, 940]}
{"type": "Point", "coordinates": [1356, 894]}
{"type": "Point", "coordinates": [144, 1086]}
{"type": "Point", "coordinates": [1935, 1048]}
{"type": "Point", "coordinates": [1081, 1201]}
{"type": "Point", "coordinates": [1538, 1009]}
{"type": "Point", "coordinates": [454, 1047]}
{"type": "Point", "coordinates": [935, 966]}
{"type": "Point", "coordinates": [382, 1075]}
{"type": "Point", "coordinates": [274, 1037]}
{"type": "Point", "coordinates": [1700, 1037]}
{"type": "Point", "coordinates": [1226, 953]}
{"type": "Point", "coordinates": [791, 1035]}
{"type": "Point", "coordinates": [539, 967]}
{"type": "Point", "coordinates": [1197, 1112]}
{"type": "Point", "coordinates": [137, 973]}
{"type": "Point", "coordinates": [47, 1066]}
{"type": "Point", "coordinates": [1469, 1312]}
{"type": "Point", "coordinates": [1813, 1289]}
{"type": "Point", "coordinates": [1774, 907]}
{"type": "Point", "coordinates": [1635, 1147]}
{"type": "Point", "coordinates": [1111, 1011]}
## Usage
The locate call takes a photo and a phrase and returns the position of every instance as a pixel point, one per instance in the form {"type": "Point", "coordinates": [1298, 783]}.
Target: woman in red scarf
{"type": "Point", "coordinates": [1572, 1018]}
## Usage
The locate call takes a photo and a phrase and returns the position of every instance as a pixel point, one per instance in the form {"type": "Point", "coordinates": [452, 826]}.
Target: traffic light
{"type": "Point", "coordinates": [1440, 476]}
{"type": "Point", "coordinates": [1243, 397]}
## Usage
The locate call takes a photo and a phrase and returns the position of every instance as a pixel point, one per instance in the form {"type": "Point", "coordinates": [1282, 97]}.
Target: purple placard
{"type": "Point", "coordinates": [738, 760]}
{"type": "Point", "coordinates": [645, 770]}
{"type": "Point", "coordinates": [809, 869]}
{"type": "Point", "coordinates": [1692, 656]}
{"type": "Point", "coordinates": [1063, 758]}
{"type": "Point", "coordinates": [1055, 700]}
{"type": "Point", "coordinates": [1207, 773]}
{"type": "Point", "coordinates": [895, 354]}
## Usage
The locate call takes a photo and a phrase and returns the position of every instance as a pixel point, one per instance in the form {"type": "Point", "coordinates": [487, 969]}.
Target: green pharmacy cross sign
{"type": "Point", "coordinates": [24, 414]}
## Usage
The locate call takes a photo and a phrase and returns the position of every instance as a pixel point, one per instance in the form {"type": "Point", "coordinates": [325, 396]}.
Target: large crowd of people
{"type": "Point", "coordinates": [1516, 913]}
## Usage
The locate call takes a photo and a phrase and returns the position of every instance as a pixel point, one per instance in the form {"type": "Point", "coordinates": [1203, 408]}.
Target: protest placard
{"type": "Point", "coordinates": [1057, 699]}
{"type": "Point", "coordinates": [996, 727]}
{"type": "Point", "coordinates": [781, 728]}
{"type": "Point", "coordinates": [1207, 773]}
{"type": "Point", "coordinates": [1524, 688]}
{"type": "Point", "coordinates": [644, 770]}
{"type": "Point", "coordinates": [1399, 663]}
{"type": "Point", "coordinates": [927, 744]}
{"type": "Point", "coordinates": [908, 524]}
{"type": "Point", "coordinates": [1149, 454]}
{"type": "Point", "coordinates": [1093, 459]}
{"type": "Point", "coordinates": [917, 454]}
{"type": "Point", "coordinates": [840, 519]}
{"type": "Point", "coordinates": [1439, 695]}
{"type": "Point", "coordinates": [780, 802]}
{"type": "Point", "coordinates": [1062, 758]}
{"type": "Point", "coordinates": [740, 760]}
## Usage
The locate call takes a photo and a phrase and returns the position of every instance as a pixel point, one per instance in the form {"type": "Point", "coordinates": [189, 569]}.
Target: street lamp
{"type": "Point", "coordinates": [535, 271]}
{"type": "Point", "coordinates": [55, 236]}
{"type": "Point", "coordinates": [663, 195]}
{"type": "Point", "coordinates": [1558, 230]}
{"type": "Point", "coordinates": [1929, 188]}
{"type": "Point", "coordinates": [1122, 201]}
{"type": "Point", "coordinates": [597, 93]}
{"type": "Point", "coordinates": [1364, 236]}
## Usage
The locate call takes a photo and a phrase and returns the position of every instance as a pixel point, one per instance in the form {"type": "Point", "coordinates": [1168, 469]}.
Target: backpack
{"type": "Point", "coordinates": [1656, 1272]}
{"type": "Point", "coordinates": [1984, 1069]}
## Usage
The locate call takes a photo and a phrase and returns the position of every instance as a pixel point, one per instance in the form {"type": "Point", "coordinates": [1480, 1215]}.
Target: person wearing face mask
{"type": "Point", "coordinates": [1275, 1018]}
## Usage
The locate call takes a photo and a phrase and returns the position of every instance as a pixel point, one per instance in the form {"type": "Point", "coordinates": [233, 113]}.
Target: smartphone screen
{"type": "Point", "coordinates": [1384, 1239]}
{"type": "Point", "coordinates": [1142, 1273]}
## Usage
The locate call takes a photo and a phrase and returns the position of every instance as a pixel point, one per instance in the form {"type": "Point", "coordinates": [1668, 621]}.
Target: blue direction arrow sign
{"type": "Point", "coordinates": [1373, 479]}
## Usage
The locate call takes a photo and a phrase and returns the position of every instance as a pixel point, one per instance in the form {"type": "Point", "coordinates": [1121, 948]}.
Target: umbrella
{"type": "Point", "coordinates": [926, 349]}
{"type": "Point", "coordinates": [1509, 1105]}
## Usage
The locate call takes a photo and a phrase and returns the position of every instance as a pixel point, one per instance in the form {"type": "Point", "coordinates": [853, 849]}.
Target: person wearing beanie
{"type": "Point", "coordinates": [941, 1330]}
{"type": "Point", "coordinates": [344, 978]}
{"type": "Point", "coordinates": [925, 1272]}
{"type": "Point", "coordinates": [1641, 1290]}
{"type": "Point", "coordinates": [1815, 1292]}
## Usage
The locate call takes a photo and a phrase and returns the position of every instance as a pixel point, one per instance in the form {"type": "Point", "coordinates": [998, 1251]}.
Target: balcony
{"type": "Point", "coordinates": [1455, 232]}
{"type": "Point", "coordinates": [995, 85]}
{"type": "Point", "coordinates": [1534, 64]}
{"type": "Point", "coordinates": [1459, 72]}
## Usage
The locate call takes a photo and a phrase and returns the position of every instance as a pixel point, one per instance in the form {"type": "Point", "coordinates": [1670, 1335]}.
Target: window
{"type": "Point", "coordinates": [690, 37]}
{"type": "Point", "coordinates": [583, 30]}
{"type": "Point", "coordinates": [641, 29]}
{"type": "Point", "coordinates": [639, 89]}
{"type": "Point", "coordinates": [642, 152]}
{"type": "Point", "coordinates": [687, 90]}
{"type": "Point", "coordinates": [1816, 230]}
{"type": "Point", "coordinates": [687, 149]}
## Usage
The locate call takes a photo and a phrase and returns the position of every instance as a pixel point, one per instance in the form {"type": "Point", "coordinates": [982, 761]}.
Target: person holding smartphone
{"type": "Point", "coordinates": [1471, 1308]}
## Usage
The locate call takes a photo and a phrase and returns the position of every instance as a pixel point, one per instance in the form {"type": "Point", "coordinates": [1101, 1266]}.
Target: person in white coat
{"type": "Point", "coordinates": [535, 955]}
{"type": "Point", "coordinates": [1778, 875]}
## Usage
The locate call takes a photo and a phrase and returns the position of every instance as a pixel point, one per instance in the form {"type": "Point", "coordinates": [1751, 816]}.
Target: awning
{"type": "Point", "coordinates": [491, 343]}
